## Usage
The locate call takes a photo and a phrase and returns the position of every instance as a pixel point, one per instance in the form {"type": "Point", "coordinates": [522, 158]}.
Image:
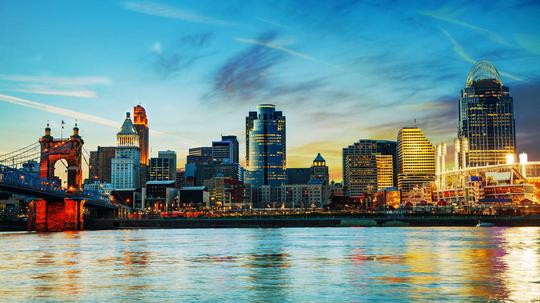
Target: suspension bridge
{"type": "Point", "coordinates": [54, 207]}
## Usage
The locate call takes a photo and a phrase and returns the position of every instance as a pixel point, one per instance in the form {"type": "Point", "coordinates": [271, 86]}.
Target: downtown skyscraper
{"type": "Point", "coordinates": [368, 166]}
{"type": "Point", "coordinates": [416, 160]}
{"type": "Point", "coordinates": [126, 163]}
{"type": "Point", "coordinates": [140, 122]}
{"type": "Point", "coordinates": [265, 146]}
{"type": "Point", "coordinates": [486, 117]}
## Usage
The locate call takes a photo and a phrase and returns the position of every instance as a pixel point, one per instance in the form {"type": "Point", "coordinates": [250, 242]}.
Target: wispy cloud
{"type": "Point", "coordinates": [68, 113]}
{"type": "Point", "coordinates": [61, 81]}
{"type": "Point", "coordinates": [59, 110]}
{"type": "Point", "coordinates": [462, 53]}
{"type": "Point", "coordinates": [54, 92]}
{"type": "Point", "coordinates": [156, 47]}
{"type": "Point", "coordinates": [447, 16]}
{"type": "Point", "coordinates": [247, 74]}
{"type": "Point", "coordinates": [171, 58]}
{"type": "Point", "coordinates": [282, 48]}
{"type": "Point", "coordinates": [167, 11]}
{"type": "Point", "coordinates": [458, 48]}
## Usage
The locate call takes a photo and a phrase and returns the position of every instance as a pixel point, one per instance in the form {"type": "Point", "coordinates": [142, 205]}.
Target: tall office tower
{"type": "Point", "coordinates": [163, 168]}
{"type": "Point", "coordinates": [223, 152]}
{"type": "Point", "coordinates": [265, 134]}
{"type": "Point", "coordinates": [236, 151]}
{"type": "Point", "coordinates": [126, 163]}
{"type": "Point", "coordinates": [385, 171]}
{"type": "Point", "coordinates": [416, 159]}
{"type": "Point", "coordinates": [100, 164]}
{"type": "Point", "coordinates": [319, 170]}
{"type": "Point", "coordinates": [486, 117]}
{"type": "Point", "coordinates": [362, 171]}
{"type": "Point", "coordinates": [141, 126]}
{"type": "Point", "coordinates": [199, 155]}
{"type": "Point", "coordinates": [169, 154]}
{"type": "Point", "coordinates": [160, 169]}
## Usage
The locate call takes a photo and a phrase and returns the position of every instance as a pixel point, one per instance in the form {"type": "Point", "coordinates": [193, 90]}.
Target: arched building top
{"type": "Point", "coordinates": [483, 70]}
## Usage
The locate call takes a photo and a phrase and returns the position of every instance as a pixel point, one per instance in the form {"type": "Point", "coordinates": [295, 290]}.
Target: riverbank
{"type": "Point", "coordinates": [306, 221]}
{"type": "Point", "coordinates": [277, 221]}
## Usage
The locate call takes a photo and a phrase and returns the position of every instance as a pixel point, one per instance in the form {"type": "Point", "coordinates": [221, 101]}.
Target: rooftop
{"type": "Point", "coordinates": [483, 70]}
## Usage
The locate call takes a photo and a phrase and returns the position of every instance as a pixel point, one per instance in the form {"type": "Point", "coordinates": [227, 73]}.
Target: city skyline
{"type": "Point", "coordinates": [197, 70]}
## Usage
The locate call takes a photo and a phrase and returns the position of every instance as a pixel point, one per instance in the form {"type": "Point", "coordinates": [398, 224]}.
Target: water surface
{"type": "Point", "coordinates": [447, 264]}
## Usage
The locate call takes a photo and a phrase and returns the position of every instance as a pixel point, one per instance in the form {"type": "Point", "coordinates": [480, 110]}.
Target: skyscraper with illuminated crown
{"type": "Point", "coordinates": [486, 117]}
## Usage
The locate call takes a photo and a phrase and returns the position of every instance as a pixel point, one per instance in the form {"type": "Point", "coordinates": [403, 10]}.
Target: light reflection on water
{"type": "Point", "coordinates": [273, 265]}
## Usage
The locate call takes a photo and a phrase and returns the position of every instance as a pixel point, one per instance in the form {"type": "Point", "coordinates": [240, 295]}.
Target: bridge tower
{"type": "Point", "coordinates": [59, 214]}
{"type": "Point", "coordinates": [69, 149]}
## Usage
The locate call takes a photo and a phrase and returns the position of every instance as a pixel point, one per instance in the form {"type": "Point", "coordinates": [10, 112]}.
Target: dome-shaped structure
{"type": "Point", "coordinates": [483, 70]}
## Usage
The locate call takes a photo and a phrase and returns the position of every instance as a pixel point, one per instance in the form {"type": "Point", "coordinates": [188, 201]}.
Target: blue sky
{"type": "Point", "coordinates": [340, 70]}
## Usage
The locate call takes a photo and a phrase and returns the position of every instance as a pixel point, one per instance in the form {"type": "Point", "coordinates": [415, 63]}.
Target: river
{"type": "Point", "coordinates": [446, 264]}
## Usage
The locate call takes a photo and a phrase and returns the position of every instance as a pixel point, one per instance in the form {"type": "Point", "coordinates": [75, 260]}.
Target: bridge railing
{"type": "Point", "coordinates": [28, 181]}
{"type": "Point", "coordinates": [15, 177]}
{"type": "Point", "coordinates": [96, 196]}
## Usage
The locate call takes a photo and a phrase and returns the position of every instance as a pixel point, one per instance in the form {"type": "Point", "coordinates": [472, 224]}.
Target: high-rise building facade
{"type": "Point", "coordinates": [363, 169]}
{"type": "Point", "coordinates": [201, 154]}
{"type": "Point", "coordinates": [235, 147]}
{"type": "Point", "coordinates": [140, 121]}
{"type": "Point", "coordinates": [126, 163]}
{"type": "Point", "coordinates": [486, 117]}
{"type": "Point", "coordinates": [171, 155]}
{"type": "Point", "coordinates": [385, 171]}
{"type": "Point", "coordinates": [100, 164]}
{"type": "Point", "coordinates": [161, 169]}
{"type": "Point", "coordinates": [416, 159]}
{"type": "Point", "coordinates": [266, 147]}
{"type": "Point", "coordinates": [223, 151]}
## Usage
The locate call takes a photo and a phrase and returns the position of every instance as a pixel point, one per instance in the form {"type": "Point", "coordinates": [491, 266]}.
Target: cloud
{"type": "Point", "coordinates": [248, 73]}
{"type": "Point", "coordinates": [59, 111]}
{"type": "Point", "coordinates": [251, 75]}
{"type": "Point", "coordinates": [458, 48]}
{"type": "Point", "coordinates": [156, 48]}
{"type": "Point", "coordinates": [53, 85]}
{"type": "Point", "coordinates": [280, 47]}
{"type": "Point", "coordinates": [168, 60]}
{"type": "Point", "coordinates": [531, 43]}
{"type": "Point", "coordinates": [65, 93]}
{"type": "Point", "coordinates": [60, 81]}
{"type": "Point", "coordinates": [445, 15]}
{"type": "Point", "coordinates": [166, 11]}
{"type": "Point", "coordinates": [303, 155]}
{"type": "Point", "coordinates": [271, 22]}
{"type": "Point", "coordinates": [462, 53]}
{"type": "Point", "coordinates": [67, 112]}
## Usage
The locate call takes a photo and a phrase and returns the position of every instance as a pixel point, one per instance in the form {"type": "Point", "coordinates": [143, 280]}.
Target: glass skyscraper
{"type": "Point", "coordinates": [265, 146]}
{"type": "Point", "coordinates": [486, 117]}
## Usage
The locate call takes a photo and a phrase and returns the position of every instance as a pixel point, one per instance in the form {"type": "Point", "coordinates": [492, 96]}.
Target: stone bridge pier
{"type": "Point", "coordinates": [56, 214]}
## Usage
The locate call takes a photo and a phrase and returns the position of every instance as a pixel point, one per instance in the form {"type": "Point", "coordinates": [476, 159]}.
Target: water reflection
{"type": "Point", "coordinates": [273, 265]}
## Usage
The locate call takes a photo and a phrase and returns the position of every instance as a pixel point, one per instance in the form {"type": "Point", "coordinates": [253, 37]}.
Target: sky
{"type": "Point", "coordinates": [340, 70]}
